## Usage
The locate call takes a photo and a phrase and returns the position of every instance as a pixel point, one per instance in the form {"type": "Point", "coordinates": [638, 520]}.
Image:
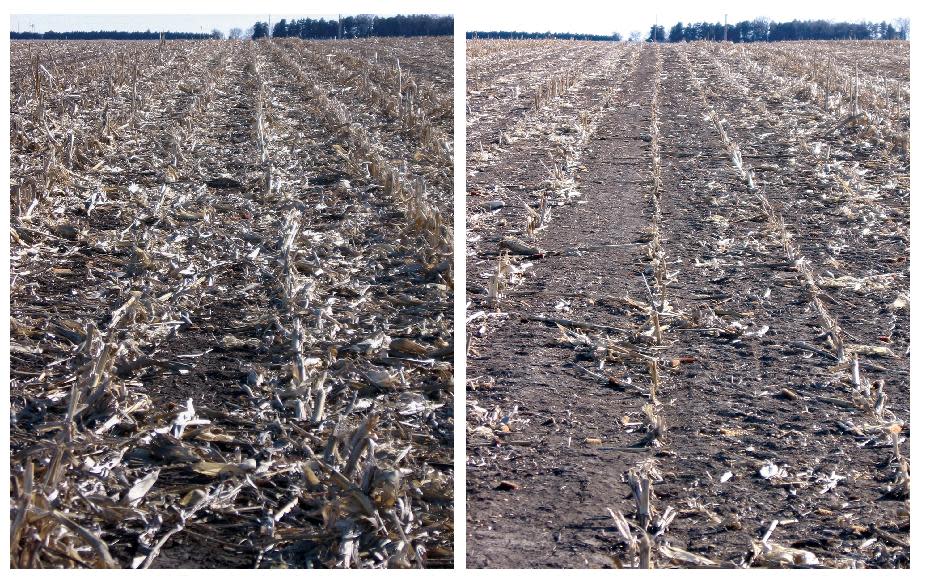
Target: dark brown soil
{"type": "Point", "coordinates": [538, 490]}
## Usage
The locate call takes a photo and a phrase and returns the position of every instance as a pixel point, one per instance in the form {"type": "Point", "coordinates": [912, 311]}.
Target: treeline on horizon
{"type": "Point", "coordinates": [500, 34]}
{"type": "Point", "coordinates": [758, 30]}
{"type": "Point", "coordinates": [360, 26]}
{"type": "Point", "coordinates": [108, 35]}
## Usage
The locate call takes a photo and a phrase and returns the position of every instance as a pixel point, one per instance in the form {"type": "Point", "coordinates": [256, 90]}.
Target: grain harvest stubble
{"type": "Point", "coordinates": [231, 300]}
{"type": "Point", "coordinates": [688, 289]}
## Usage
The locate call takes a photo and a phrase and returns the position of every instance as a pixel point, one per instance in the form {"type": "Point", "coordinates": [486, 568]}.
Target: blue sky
{"type": "Point", "coordinates": [173, 22]}
{"type": "Point", "coordinates": [590, 16]}
{"type": "Point", "coordinates": [597, 17]}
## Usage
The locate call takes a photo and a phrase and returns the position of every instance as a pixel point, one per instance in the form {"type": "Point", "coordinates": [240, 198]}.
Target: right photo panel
{"type": "Point", "coordinates": [688, 329]}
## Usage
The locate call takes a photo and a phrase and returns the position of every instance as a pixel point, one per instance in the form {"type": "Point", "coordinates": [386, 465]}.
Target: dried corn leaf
{"type": "Point", "coordinates": [680, 557]}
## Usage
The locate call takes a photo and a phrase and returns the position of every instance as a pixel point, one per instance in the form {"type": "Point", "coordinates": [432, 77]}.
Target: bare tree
{"type": "Point", "coordinates": [904, 27]}
{"type": "Point", "coordinates": [635, 36]}
{"type": "Point", "coordinates": [235, 34]}
{"type": "Point", "coordinates": [216, 34]}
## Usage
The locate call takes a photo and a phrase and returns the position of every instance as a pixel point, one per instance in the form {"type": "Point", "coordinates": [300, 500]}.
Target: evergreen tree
{"type": "Point", "coordinates": [260, 30]}
{"type": "Point", "coordinates": [280, 28]}
{"type": "Point", "coordinates": [657, 34]}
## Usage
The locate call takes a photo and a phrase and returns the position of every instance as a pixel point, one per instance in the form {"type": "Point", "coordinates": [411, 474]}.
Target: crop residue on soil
{"type": "Point", "coordinates": [688, 290]}
{"type": "Point", "coordinates": [231, 304]}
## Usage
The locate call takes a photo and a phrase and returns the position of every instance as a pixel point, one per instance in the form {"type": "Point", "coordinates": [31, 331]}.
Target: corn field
{"type": "Point", "coordinates": [231, 304]}
{"type": "Point", "coordinates": [688, 331]}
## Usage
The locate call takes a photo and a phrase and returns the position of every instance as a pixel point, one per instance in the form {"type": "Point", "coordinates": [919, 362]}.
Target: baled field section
{"type": "Point", "coordinates": [231, 304]}
{"type": "Point", "coordinates": [688, 291]}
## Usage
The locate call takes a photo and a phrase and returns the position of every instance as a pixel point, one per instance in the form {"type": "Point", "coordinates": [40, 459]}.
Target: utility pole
{"type": "Point", "coordinates": [725, 28]}
{"type": "Point", "coordinates": [339, 27]}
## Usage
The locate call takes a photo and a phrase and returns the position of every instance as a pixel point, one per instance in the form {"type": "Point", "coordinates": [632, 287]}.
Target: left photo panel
{"type": "Point", "coordinates": [231, 291]}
